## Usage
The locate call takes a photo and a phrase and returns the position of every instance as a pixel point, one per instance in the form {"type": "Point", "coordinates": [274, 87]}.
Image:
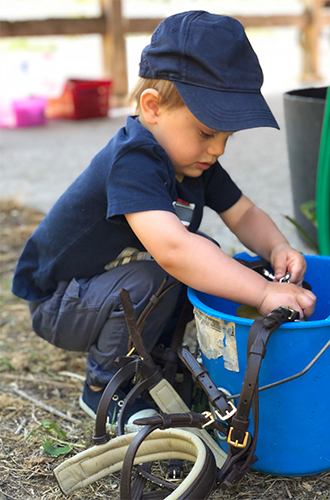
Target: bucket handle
{"type": "Point", "coordinates": [293, 377]}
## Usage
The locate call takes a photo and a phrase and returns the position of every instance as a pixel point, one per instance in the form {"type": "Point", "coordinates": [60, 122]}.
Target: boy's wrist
{"type": "Point", "coordinates": [278, 248]}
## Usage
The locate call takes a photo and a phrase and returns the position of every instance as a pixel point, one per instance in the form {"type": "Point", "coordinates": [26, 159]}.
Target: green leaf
{"type": "Point", "coordinates": [49, 426]}
{"type": "Point", "coordinates": [56, 450]}
{"type": "Point", "coordinates": [32, 433]}
{"type": "Point", "coordinates": [6, 364]}
{"type": "Point", "coordinates": [303, 232]}
{"type": "Point", "coordinates": [309, 211]}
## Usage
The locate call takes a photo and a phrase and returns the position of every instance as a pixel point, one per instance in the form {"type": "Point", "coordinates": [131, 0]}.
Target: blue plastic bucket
{"type": "Point", "coordinates": [294, 425]}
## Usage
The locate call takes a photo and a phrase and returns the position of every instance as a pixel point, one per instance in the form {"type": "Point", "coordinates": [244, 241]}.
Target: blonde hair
{"type": "Point", "coordinates": [170, 97]}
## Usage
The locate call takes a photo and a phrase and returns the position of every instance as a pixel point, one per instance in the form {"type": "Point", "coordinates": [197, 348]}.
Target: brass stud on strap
{"type": "Point", "coordinates": [131, 351]}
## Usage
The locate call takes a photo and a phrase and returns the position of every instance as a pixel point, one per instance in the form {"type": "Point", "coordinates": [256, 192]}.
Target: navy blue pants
{"type": "Point", "coordinates": [87, 315]}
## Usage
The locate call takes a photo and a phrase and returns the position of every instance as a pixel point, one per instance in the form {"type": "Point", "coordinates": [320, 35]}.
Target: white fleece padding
{"type": "Point", "coordinates": [99, 461]}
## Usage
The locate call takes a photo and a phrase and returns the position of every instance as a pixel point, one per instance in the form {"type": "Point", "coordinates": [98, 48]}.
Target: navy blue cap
{"type": "Point", "coordinates": [210, 61]}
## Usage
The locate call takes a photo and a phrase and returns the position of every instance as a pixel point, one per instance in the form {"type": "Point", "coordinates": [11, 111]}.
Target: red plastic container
{"type": "Point", "coordinates": [81, 99]}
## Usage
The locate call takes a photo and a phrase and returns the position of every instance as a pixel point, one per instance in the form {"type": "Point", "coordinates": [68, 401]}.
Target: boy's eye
{"type": "Point", "coordinates": [207, 136]}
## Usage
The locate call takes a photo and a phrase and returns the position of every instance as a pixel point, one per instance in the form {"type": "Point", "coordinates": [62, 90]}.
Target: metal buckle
{"type": "Point", "coordinates": [228, 414]}
{"type": "Point", "coordinates": [208, 414]}
{"type": "Point", "coordinates": [236, 443]}
{"type": "Point", "coordinates": [292, 313]}
{"type": "Point", "coordinates": [173, 479]}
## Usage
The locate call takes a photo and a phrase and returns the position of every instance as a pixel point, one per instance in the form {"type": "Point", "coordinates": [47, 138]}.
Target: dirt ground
{"type": "Point", "coordinates": [39, 412]}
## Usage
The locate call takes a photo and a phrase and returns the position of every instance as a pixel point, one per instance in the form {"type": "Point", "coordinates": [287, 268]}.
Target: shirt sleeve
{"type": "Point", "coordinates": [221, 192]}
{"type": "Point", "coordinates": [140, 181]}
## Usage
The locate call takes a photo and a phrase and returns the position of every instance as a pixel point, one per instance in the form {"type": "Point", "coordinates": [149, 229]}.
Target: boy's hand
{"type": "Point", "coordinates": [286, 294]}
{"type": "Point", "coordinates": [284, 259]}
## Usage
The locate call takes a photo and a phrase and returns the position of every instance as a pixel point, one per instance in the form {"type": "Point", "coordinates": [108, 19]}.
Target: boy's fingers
{"type": "Point", "coordinates": [307, 303]}
{"type": "Point", "coordinates": [280, 268]}
{"type": "Point", "coordinates": [299, 299]}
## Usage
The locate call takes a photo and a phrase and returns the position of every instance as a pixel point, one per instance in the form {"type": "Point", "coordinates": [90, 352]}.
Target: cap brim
{"type": "Point", "coordinates": [227, 111]}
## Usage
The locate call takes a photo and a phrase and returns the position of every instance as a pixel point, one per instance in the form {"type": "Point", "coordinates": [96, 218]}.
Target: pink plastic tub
{"type": "Point", "coordinates": [30, 111]}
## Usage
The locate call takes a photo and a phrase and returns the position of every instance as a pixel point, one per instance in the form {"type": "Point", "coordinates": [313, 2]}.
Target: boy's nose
{"type": "Point", "coordinates": [217, 148]}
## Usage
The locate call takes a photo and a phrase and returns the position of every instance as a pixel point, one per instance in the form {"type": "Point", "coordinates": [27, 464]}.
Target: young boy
{"type": "Point", "coordinates": [132, 216]}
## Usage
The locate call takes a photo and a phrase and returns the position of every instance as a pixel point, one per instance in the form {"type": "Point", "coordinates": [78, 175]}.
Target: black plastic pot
{"type": "Point", "coordinates": [303, 111]}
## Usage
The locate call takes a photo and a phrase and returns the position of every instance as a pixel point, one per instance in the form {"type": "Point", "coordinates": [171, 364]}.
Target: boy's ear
{"type": "Point", "coordinates": [149, 105]}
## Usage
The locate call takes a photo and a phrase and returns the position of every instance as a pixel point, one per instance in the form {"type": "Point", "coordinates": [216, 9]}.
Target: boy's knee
{"type": "Point", "coordinates": [142, 280]}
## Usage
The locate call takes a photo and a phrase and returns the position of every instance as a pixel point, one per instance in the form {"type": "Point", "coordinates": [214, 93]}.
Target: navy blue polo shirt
{"type": "Point", "coordinates": [86, 228]}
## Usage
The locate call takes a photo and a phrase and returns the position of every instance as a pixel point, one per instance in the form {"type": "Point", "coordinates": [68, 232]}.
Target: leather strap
{"type": "Point", "coordinates": [217, 398]}
{"type": "Point", "coordinates": [128, 366]}
{"type": "Point", "coordinates": [171, 365]}
{"type": "Point", "coordinates": [140, 323]}
{"type": "Point", "coordinates": [260, 332]}
{"type": "Point", "coordinates": [133, 328]}
{"type": "Point", "coordinates": [231, 468]}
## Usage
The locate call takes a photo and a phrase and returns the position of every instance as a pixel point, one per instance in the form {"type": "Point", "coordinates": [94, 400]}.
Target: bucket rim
{"type": "Point", "coordinates": [196, 302]}
{"type": "Point", "coordinates": [306, 94]}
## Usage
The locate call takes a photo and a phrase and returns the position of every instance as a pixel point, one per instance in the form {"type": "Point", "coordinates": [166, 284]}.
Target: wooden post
{"type": "Point", "coordinates": [309, 40]}
{"type": "Point", "coordinates": [114, 47]}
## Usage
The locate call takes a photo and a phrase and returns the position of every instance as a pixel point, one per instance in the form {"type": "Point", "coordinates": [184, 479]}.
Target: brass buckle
{"type": "Point", "coordinates": [292, 313]}
{"type": "Point", "coordinates": [236, 443]}
{"type": "Point", "coordinates": [228, 414]}
{"type": "Point", "coordinates": [208, 414]}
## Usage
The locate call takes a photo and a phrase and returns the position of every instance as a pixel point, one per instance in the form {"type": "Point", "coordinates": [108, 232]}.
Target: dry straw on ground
{"type": "Point", "coordinates": [39, 383]}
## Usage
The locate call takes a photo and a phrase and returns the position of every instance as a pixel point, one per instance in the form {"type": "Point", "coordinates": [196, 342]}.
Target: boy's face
{"type": "Point", "coordinates": [191, 146]}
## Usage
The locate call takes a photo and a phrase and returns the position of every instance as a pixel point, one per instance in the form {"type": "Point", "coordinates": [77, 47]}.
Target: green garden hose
{"type": "Point", "coordinates": [323, 184]}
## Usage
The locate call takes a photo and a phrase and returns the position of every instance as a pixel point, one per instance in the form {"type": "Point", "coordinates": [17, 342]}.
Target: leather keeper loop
{"type": "Point", "coordinates": [155, 300]}
{"type": "Point", "coordinates": [258, 348]}
{"type": "Point", "coordinates": [97, 440]}
{"type": "Point", "coordinates": [171, 356]}
{"type": "Point", "coordinates": [166, 421]}
{"type": "Point", "coordinates": [240, 425]}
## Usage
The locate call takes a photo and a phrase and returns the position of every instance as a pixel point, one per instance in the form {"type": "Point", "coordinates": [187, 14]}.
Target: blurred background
{"type": "Point", "coordinates": [40, 65]}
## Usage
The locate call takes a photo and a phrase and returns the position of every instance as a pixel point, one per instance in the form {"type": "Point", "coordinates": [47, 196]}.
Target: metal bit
{"type": "Point", "coordinates": [268, 274]}
{"type": "Point", "coordinates": [284, 279]}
